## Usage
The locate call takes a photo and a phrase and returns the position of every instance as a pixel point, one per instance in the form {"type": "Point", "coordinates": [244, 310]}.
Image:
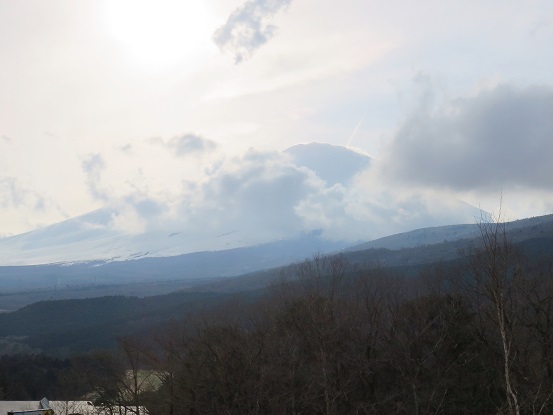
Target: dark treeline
{"type": "Point", "coordinates": [331, 340]}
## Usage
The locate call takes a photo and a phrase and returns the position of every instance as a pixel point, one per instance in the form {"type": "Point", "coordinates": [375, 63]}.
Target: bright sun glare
{"type": "Point", "coordinates": [159, 34]}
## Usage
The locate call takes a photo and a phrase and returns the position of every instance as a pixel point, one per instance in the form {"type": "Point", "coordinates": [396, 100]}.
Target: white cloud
{"type": "Point", "coordinates": [13, 194]}
{"type": "Point", "coordinates": [260, 196]}
{"type": "Point", "coordinates": [248, 28]}
{"type": "Point", "coordinates": [331, 63]}
{"type": "Point", "coordinates": [93, 165]}
{"type": "Point", "coordinates": [24, 207]}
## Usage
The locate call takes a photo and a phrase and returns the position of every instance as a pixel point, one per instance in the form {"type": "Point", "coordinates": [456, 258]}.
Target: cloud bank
{"type": "Point", "coordinates": [214, 202]}
{"type": "Point", "coordinates": [248, 28]}
{"type": "Point", "coordinates": [500, 138]}
{"type": "Point", "coordinates": [496, 139]}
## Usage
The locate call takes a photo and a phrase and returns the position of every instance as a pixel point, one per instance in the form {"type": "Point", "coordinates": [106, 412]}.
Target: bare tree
{"type": "Point", "coordinates": [496, 268]}
{"type": "Point", "coordinates": [537, 321]}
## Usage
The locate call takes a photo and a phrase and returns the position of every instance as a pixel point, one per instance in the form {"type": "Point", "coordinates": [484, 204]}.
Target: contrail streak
{"type": "Point", "coordinates": [355, 130]}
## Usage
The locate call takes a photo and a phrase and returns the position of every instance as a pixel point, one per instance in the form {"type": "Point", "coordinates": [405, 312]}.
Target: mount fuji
{"type": "Point", "coordinates": [91, 242]}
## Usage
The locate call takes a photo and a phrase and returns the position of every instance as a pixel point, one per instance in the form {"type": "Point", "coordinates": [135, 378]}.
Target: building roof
{"type": "Point", "coordinates": [67, 408]}
{"type": "Point", "coordinates": [6, 406]}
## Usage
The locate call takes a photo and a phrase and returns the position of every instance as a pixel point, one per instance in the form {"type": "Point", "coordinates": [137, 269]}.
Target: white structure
{"type": "Point", "coordinates": [69, 408]}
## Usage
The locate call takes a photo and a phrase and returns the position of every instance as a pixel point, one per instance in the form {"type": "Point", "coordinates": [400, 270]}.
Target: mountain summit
{"type": "Point", "coordinates": [333, 164]}
{"type": "Point", "coordinates": [259, 200]}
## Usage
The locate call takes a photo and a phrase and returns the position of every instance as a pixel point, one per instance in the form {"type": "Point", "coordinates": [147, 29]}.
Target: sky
{"type": "Point", "coordinates": [176, 113]}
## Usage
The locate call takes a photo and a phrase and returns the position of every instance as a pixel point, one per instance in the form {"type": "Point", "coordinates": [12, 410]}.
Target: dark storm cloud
{"type": "Point", "coordinates": [500, 138]}
{"type": "Point", "coordinates": [248, 28]}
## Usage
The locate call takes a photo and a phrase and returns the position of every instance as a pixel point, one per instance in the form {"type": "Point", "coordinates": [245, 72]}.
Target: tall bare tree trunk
{"type": "Point", "coordinates": [496, 270]}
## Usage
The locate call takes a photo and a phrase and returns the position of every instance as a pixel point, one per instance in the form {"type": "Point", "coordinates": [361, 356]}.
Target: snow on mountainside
{"type": "Point", "coordinates": [90, 237]}
{"type": "Point", "coordinates": [288, 196]}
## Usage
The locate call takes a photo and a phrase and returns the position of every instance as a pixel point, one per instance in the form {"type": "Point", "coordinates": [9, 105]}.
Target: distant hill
{"type": "Point", "coordinates": [77, 326]}
{"type": "Point", "coordinates": [420, 237]}
{"type": "Point", "coordinates": [520, 230]}
{"type": "Point", "coordinates": [410, 252]}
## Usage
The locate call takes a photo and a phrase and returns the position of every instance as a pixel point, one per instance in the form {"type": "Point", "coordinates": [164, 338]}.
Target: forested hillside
{"type": "Point", "coordinates": [473, 337]}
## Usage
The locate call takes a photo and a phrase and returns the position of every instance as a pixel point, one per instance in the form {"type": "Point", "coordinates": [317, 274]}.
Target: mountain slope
{"type": "Point", "coordinates": [196, 265]}
{"type": "Point", "coordinates": [94, 237]}
{"type": "Point", "coordinates": [519, 230]}
{"type": "Point", "coordinates": [411, 252]}
{"type": "Point", "coordinates": [274, 200]}
{"type": "Point", "coordinates": [82, 325]}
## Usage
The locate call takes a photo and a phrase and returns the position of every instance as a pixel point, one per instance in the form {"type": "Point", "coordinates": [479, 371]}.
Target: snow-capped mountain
{"type": "Point", "coordinates": [312, 189]}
